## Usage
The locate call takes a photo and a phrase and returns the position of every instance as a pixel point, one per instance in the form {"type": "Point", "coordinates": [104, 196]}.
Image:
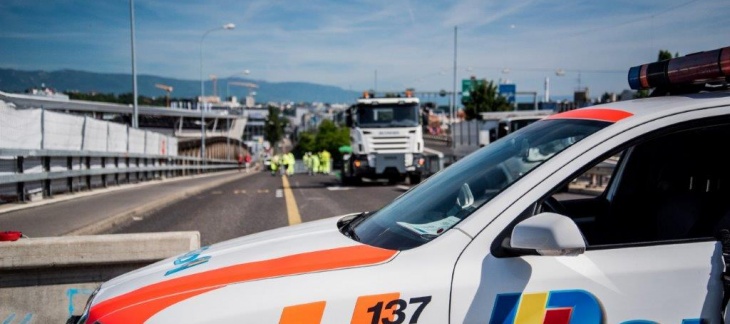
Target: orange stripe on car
{"type": "Point", "coordinates": [604, 114]}
{"type": "Point", "coordinates": [141, 304]}
{"type": "Point", "coordinates": [303, 314]}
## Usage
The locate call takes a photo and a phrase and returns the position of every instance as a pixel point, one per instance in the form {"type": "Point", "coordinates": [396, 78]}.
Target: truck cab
{"type": "Point", "coordinates": [386, 138]}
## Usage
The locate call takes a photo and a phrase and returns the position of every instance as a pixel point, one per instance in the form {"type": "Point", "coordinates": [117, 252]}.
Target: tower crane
{"type": "Point", "coordinates": [248, 85]}
{"type": "Point", "coordinates": [167, 89]}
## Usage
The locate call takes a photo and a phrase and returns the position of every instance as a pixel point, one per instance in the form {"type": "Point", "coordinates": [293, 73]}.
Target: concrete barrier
{"type": "Point", "coordinates": [47, 280]}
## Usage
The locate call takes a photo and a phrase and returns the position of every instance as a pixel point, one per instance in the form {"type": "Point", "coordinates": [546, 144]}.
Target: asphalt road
{"type": "Point", "coordinates": [83, 212]}
{"type": "Point", "coordinates": [258, 203]}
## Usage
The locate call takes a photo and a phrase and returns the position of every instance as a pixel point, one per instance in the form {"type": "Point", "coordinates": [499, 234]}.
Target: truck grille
{"type": "Point", "coordinates": [390, 144]}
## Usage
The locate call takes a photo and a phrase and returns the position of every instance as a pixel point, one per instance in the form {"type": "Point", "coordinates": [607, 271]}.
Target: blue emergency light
{"type": "Point", "coordinates": [697, 68]}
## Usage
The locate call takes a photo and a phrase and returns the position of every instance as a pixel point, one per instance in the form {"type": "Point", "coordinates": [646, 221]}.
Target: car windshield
{"type": "Point", "coordinates": [388, 115]}
{"type": "Point", "coordinates": [448, 197]}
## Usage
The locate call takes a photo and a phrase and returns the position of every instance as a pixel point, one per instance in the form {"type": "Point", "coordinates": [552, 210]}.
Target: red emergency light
{"type": "Point", "coordinates": [697, 68]}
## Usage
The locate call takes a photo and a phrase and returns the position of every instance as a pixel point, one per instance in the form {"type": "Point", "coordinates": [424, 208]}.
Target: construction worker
{"type": "Point", "coordinates": [326, 163]}
{"type": "Point", "coordinates": [307, 159]}
{"type": "Point", "coordinates": [291, 160]}
{"type": "Point", "coordinates": [274, 164]}
{"type": "Point", "coordinates": [315, 164]}
{"type": "Point", "coordinates": [283, 163]}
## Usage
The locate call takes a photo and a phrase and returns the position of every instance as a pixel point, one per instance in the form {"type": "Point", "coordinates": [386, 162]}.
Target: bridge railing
{"type": "Point", "coordinates": [27, 175]}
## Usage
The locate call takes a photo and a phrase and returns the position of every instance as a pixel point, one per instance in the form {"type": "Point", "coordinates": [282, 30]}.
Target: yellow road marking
{"type": "Point", "coordinates": [291, 205]}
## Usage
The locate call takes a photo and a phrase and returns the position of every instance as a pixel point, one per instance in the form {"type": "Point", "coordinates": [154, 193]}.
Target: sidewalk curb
{"type": "Point", "coordinates": [122, 218]}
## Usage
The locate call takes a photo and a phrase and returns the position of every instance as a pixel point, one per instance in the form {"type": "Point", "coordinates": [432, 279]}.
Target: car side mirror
{"type": "Point", "coordinates": [465, 197]}
{"type": "Point", "coordinates": [548, 234]}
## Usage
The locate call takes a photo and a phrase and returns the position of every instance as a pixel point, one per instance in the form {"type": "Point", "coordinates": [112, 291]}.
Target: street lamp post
{"type": "Point", "coordinates": [202, 89]}
{"type": "Point", "coordinates": [135, 108]}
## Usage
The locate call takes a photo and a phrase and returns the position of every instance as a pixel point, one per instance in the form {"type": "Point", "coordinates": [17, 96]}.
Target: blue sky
{"type": "Point", "coordinates": [359, 45]}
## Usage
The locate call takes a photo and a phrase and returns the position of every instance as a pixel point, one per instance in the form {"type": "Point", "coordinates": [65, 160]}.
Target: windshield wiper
{"type": "Point", "coordinates": [349, 228]}
{"type": "Point", "coordinates": [428, 237]}
{"type": "Point", "coordinates": [350, 232]}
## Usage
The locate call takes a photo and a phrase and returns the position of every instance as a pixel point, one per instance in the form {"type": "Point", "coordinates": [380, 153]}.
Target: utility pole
{"type": "Point", "coordinates": [376, 82]}
{"type": "Point", "coordinates": [453, 94]}
{"type": "Point", "coordinates": [135, 109]}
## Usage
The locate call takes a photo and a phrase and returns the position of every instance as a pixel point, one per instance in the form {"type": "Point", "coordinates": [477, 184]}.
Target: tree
{"type": "Point", "coordinates": [328, 136]}
{"type": "Point", "coordinates": [664, 55]}
{"type": "Point", "coordinates": [274, 126]}
{"type": "Point", "coordinates": [484, 97]}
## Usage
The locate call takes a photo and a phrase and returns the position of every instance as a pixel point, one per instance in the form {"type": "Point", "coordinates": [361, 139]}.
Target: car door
{"type": "Point", "coordinates": [649, 225]}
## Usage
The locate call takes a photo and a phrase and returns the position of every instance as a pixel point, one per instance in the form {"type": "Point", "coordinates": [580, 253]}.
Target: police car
{"type": "Point", "coordinates": [605, 214]}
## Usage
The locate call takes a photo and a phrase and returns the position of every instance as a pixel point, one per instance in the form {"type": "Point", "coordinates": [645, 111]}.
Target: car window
{"type": "Point", "coordinates": [446, 198]}
{"type": "Point", "coordinates": [667, 188]}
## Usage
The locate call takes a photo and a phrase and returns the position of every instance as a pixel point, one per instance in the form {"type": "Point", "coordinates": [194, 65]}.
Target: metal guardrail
{"type": "Point", "coordinates": [44, 173]}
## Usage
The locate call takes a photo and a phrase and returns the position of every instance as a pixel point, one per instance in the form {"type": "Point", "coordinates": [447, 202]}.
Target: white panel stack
{"type": "Point", "coordinates": [136, 141]}
{"type": "Point", "coordinates": [172, 146]}
{"type": "Point", "coordinates": [19, 129]}
{"type": "Point", "coordinates": [62, 131]}
{"type": "Point", "coordinates": [36, 129]}
{"type": "Point", "coordinates": [95, 135]}
{"type": "Point", "coordinates": [117, 140]}
{"type": "Point", "coordinates": [152, 144]}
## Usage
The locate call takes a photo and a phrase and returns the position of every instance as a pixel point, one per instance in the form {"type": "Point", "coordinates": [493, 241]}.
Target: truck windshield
{"type": "Point", "coordinates": [448, 197]}
{"type": "Point", "coordinates": [388, 115]}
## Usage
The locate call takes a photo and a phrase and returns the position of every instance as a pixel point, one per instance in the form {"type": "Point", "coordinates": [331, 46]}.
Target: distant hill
{"type": "Point", "coordinates": [17, 81]}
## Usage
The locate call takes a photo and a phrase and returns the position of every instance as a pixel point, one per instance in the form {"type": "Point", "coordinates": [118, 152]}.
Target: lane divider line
{"type": "Point", "coordinates": [291, 204]}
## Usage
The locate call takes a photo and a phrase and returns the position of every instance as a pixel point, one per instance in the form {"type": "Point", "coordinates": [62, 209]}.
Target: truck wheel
{"type": "Point", "coordinates": [349, 180]}
{"type": "Point", "coordinates": [414, 179]}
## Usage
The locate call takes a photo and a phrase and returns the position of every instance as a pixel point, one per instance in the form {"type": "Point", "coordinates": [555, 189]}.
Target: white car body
{"type": "Point", "coordinates": [313, 273]}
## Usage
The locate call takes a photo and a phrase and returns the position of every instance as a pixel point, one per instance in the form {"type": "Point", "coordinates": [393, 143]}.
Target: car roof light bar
{"type": "Point", "coordinates": [696, 68]}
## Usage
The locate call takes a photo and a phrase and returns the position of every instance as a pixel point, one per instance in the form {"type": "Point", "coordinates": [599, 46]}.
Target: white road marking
{"type": "Point", "coordinates": [338, 188]}
{"type": "Point", "coordinates": [279, 193]}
